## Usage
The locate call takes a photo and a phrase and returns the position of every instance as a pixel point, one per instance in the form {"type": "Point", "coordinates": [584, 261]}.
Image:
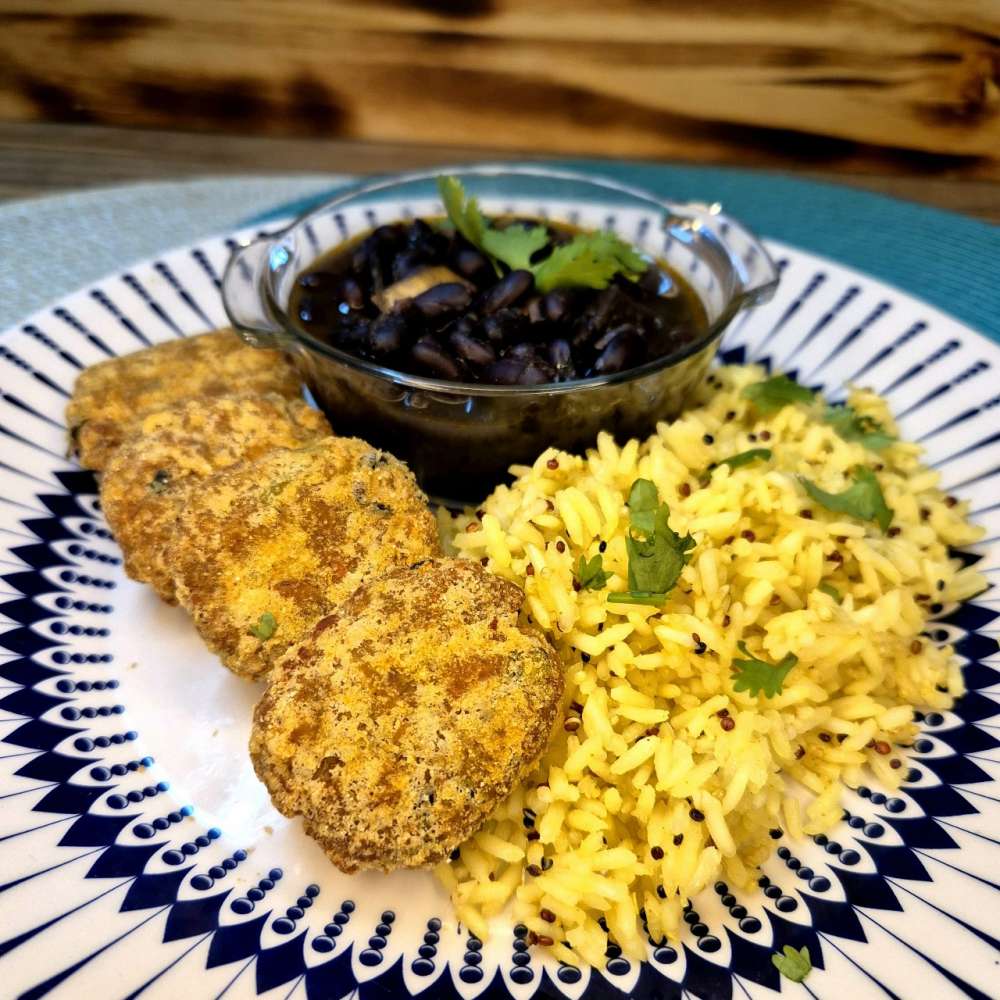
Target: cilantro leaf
{"type": "Point", "coordinates": [265, 627]}
{"type": "Point", "coordinates": [643, 499]}
{"type": "Point", "coordinates": [463, 211]}
{"type": "Point", "coordinates": [589, 260]}
{"type": "Point", "coordinates": [775, 393]}
{"type": "Point", "coordinates": [863, 499]}
{"type": "Point", "coordinates": [160, 481]}
{"type": "Point", "coordinates": [515, 245]}
{"type": "Point", "coordinates": [793, 965]}
{"type": "Point", "coordinates": [657, 554]}
{"type": "Point", "coordinates": [852, 426]}
{"type": "Point", "coordinates": [744, 458]}
{"type": "Point", "coordinates": [830, 590]}
{"type": "Point", "coordinates": [592, 575]}
{"type": "Point", "coordinates": [755, 675]}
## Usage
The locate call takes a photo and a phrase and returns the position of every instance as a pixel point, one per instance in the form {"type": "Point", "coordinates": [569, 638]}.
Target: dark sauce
{"type": "Point", "coordinates": [418, 298]}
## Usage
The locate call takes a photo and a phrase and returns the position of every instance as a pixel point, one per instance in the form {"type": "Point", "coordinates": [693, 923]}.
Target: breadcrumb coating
{"type": "Point", "coordinates": [111, 396]}
{"type": "Point", "coordinates": [149, 478]}
{"type": "Point", "coordinates": [263, 549]}
{"type": "Point", "coordinates": [400, 721]}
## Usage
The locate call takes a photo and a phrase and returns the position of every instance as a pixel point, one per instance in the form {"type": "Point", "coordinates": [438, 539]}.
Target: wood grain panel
{"type": "Point", "coordinates": [884, 85]}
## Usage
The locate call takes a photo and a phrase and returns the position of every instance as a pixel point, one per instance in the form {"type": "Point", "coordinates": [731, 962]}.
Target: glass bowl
{"type": "Point", "coordinates": [460, 438]}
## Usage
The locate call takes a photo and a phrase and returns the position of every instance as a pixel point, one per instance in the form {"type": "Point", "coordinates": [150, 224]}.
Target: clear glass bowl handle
{"type": "Point", "coordinates": [244, 298]}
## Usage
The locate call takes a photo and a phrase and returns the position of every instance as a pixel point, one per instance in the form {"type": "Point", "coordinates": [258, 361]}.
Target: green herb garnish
{"type": "Point", "coordinates": [515, 245]}
{"type": "Point", "coordinates": [793, 965]}
{"type": "Point", "coordinates": [656, 553]}
{"type": "Point", "coordinates": [755, 675]}
{"type": "Point", "coordinates": [830, 590]}
{"type": "Point", "coordinates": [265, 627]}
{"type": "Point", "coordinates": [653, 599]}
{"type": "Point", "coordinates": [852, 426]}
{"type": "Point", "coordinates": [160, 481]}
{"type": "Point", "coordinates": [744, 458]}
{"type": "Point", "coordinates": [592, 575]}
{"type": "Point", "coordinates": [463, 211]}
{"type": "Point", "coordinates": [775, 393]}
{"type": "Point", "coordinates": [863, 499]}
{"type": "Point", "coordinates": [588, 260]}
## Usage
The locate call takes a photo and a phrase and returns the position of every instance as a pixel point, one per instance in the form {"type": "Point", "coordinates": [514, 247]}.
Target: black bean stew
{"type": "Point", "coordinates": [418, 298]}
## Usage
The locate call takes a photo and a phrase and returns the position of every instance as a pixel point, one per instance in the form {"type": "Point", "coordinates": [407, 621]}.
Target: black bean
{"type": "Point", "coordinates": [387, 334]}
{"type": "Point", "coordinates": [560, 354]}
{"type": "Point", "coordinates": [624, 351]}
{"type": "Point", "coordinates": [535, 310]}
{"type": "Point", "coordinates": [429, 354]}
{"type": "Point", "coordinates": [610, 335]}
{"type": "Point", "coordinates": [351, 335]}
{"type": "Point", "coordinates": [470, 349]}
{"type": "Point", "coordinates": [448, 297]}
{"type": "Point", "coordinates": [557, 304]}
{"type": "Point", "coordinates": [506, 371]}
{"type": "Point", "coordinates": [406, 262]}
{"type": "Point", "coordinates": [601, 310]}
{"type": "Point", "coordinates": [507, 291]}
{"type": "Point", "coordinates": [523, 352]}
{"type": "Point", "coordinates": [471, 263]}
{"type": "Point", "coordinates": [505, 325]}
{"type": "Point", "coordinates": [536, 373]}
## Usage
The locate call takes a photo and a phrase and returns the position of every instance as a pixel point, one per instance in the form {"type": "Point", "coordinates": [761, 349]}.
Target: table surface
{"type": "Point", "coordinates": [42, 159]}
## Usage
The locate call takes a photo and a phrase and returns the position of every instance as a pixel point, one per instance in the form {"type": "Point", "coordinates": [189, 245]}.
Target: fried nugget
{"type": "Point", "coordinates": [150, 475]}
{"type": "Point", "coordinates": [111, 396]}
{"type": "Point", "coordinates": [264, 549]}
{"type": "Point", "coordinates": [401, 721]}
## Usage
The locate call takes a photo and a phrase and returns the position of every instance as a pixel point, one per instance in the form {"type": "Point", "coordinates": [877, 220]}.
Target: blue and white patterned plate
{"type": "Point", "coordinates": [139, 856]}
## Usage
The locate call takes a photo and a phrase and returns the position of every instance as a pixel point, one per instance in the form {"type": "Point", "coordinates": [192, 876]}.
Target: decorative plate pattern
{"type": "Point", "coordinates": [139, 856]}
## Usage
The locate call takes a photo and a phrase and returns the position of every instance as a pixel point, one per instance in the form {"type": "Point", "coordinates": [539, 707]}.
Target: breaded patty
{"type": "Point", "coordinates": [150, 476]}
{"type": "Point", "coordinates": [264, 549]}
{"type": "Point", "coordinates": [404, 717]}
{"type": "Point", "coordinates": [110, 396]}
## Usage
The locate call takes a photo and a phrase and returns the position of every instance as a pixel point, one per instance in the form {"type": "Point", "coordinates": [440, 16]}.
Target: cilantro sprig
{"type": "Point", "coordinates": [756, 676]}
{"type": "Point", "coordinates": [266, 626]}
{"type": "Point", "coordinates": [515, 245]}
{"type": "Point", "coordinates": [591, 575]}
{"type": "Point", "coordinates": [744, 458]}
{"type": "Point", "coordinates": [863, 499]}
{"type": "Point", "coordinates": [775, 393]}
{"type": "Point", "coordinates": [656, 553]}
{"type": "Point", "coordinates": [853, 426]}
{"type": "Point", "coordinates": [588, 260]}
{"type": "Point", "coordinates": [793, 964]}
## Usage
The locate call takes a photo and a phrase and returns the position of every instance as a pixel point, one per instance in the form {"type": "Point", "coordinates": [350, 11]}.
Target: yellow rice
{"type": "Point", "coordinates": [613, 801]}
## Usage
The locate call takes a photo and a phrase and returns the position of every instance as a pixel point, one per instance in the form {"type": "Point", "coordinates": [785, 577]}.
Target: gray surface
{"type": "Point", "coordinates": [50, 247]}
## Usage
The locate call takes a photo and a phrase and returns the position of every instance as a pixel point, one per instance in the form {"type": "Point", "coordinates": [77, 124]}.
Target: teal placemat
{"type": "Point", "coordinates": [948, 260]}
{"type": "Point", "coordinates": [52, 246]}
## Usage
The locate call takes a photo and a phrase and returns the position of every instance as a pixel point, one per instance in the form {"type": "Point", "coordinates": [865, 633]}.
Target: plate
{"type": "Point", "coordinates": [139, 856]}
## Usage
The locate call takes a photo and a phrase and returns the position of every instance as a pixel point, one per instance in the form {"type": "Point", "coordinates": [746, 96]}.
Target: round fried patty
{"type": "Point", "coordinates": [263, 549]}
{"type": "Point", "coordinates": [109, 397]}
{"type": "Point", "coordinates": [150, 476]}
{"type": "Point", "coordinates": [396, 726]}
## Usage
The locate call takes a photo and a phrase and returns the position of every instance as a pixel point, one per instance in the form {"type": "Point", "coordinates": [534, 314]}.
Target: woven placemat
{"type": "Point", "coordinates": [52, 246]}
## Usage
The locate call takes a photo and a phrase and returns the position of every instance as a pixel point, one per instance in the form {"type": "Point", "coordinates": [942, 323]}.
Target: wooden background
{"type": "Point", "coordinates": [872, 86]}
